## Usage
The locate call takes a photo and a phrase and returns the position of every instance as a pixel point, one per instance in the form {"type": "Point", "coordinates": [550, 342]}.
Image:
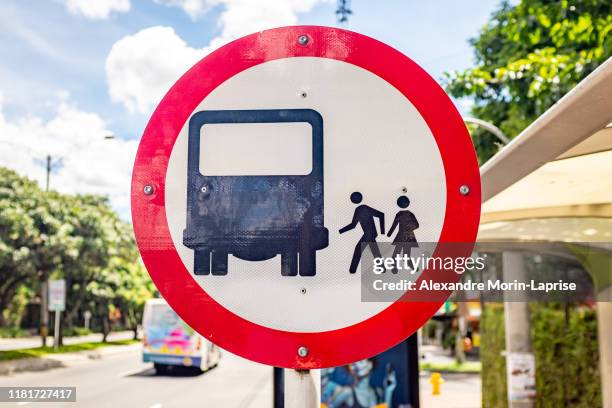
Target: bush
{"type": "Point", "coordinates": [13, 332]}
{"type": "Point", "coordinates": [492, 344]}
{"type": "Point", "coordinates": [75, 331]}
{"type": "Point", "coordinates": [566, 351]}
{"type": "Point", "coordinates": [567, 356]}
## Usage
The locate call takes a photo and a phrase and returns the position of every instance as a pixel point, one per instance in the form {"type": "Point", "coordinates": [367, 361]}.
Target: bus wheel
{"type": "Point", "coordinates": [289, 263]}
{"type": "Point", "coordinates": [219, 262]}
{"type": "Point", "coordinates": [201, 262]}
{"type": "Point", "coordinates": [308, 263]}
{"type": "Point", "coordinates": [160, 369]}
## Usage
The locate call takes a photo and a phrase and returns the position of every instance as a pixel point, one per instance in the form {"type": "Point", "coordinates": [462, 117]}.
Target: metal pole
{"type": "Point", "coordinates": [44, 314]}
{"type": "Point", "coordinates": [490, 127]}
{"type": "Point", "coordinates": [302, 388]}
{"type": "Point", "coordinates": [56, 331]}
{"type": "Point", "coordinates": [48, 172]}
{"type": "Point", "coordinates": [44, 286]}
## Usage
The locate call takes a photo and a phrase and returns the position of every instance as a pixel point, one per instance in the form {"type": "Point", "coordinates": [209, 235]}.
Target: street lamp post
{"type": "Point", "coordinates": [490, 127]}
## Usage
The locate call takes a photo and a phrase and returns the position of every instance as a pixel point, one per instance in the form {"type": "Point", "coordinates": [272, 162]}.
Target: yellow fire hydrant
{"type": "Point", "coordinates": [436, 381]}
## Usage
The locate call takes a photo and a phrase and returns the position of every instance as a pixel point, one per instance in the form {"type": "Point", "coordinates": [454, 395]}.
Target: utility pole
{"type": "Point", "coordinates": [44, 287]}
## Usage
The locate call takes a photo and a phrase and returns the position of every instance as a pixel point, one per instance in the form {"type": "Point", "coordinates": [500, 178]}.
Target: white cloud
{"type": "Point", "coordinates": [89, 163]}
{"type": "Point", "coordinates": [140, 68]}
{"type": "Point", "coordinates": [194, 8]}
{"type": "Point", "coordinates": [97, 9]}
{"type": "Point", "coordinates": [243, 17]}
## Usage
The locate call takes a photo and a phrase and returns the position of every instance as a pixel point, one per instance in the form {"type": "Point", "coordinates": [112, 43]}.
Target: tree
{"type": "Point", "coordinates": [34, 242]}
{"type": "Point", "coordinates": [75, 237]}
{"type": "Point", "coordinates": [93, 226]}
{"type": "Point", "coordinates": [527, 57]}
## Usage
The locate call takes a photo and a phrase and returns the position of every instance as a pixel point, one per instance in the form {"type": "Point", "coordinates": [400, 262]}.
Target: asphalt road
{"type": "Point", "coordinates": [124, 381]}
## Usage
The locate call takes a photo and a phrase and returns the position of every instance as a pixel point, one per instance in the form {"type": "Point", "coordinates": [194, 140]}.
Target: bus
{"type": "Point", "coordinates": [168, 342]}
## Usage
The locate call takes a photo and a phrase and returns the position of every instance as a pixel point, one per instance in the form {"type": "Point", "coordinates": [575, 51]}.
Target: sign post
{"type": "Point", "coordinates": [87, 317]}
{"type": "Point", "coordinates": [57, 304]}
{"type": "Point", "coordinates": [274, 168]}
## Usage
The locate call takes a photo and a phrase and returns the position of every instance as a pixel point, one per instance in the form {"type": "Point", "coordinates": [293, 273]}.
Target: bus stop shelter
{"type": "Point", "coordinates": [553, 183]}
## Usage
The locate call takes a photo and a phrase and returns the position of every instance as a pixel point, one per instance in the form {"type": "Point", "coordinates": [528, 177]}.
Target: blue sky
{"type": "Point", "coordinates": [74, 70]}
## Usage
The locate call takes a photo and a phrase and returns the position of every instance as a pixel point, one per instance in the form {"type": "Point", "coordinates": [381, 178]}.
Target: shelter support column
{"type": "Point", "coordinates": [518, 326]}
{"type": "Point", "coordinates": [604, 324]}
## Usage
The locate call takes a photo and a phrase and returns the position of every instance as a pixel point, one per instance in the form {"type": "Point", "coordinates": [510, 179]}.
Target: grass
{"type": "Point", "coordinates": [467, 367]}
{"type": "Point", "coordinates": [42, 351]}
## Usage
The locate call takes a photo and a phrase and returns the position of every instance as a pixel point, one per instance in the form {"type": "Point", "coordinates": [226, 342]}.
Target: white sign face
{"type": "Point", "coordinates": [375, 142]}
{"type": "Point", "coordinates": [272, 173]}
{"type": "Point", "coordinates": [57, 295]}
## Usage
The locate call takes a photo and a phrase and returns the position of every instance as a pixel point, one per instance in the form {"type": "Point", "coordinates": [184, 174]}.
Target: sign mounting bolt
{"type": "Point", "coordinates": [303, 39]}
{"type": "Point", "coordinates": [464, 189]}
{"type": "Point", "coordinates": [302, 351]}
{"type": "Point", "coordinates": [148, 189]}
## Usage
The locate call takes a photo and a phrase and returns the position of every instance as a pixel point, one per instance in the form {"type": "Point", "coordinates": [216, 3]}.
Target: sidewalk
{"type": "Point", "coordinates": [457, 391]}
{"type": "Point", "coordinates": [33, 342]}
{"type": "Point", "coordinates": [49, 361]}
{"type": "Point", "coordinates": [436, 355]}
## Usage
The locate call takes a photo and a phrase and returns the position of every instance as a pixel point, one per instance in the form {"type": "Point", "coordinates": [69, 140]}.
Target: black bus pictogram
{"type": "Point", "coordinates": [255, 217]}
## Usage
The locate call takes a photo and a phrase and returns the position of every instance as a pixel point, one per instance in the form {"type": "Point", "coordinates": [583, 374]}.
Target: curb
{"type": "Point", "coordinates": [51, 361]}
{"type": "Point", "coordinates": [28, 364]}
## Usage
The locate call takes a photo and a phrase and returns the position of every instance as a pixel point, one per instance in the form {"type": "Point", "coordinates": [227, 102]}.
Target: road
{"type": "Point", "coordinates": [124, 381]}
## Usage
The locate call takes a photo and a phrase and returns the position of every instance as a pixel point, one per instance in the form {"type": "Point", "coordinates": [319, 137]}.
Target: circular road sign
{"type": "Point", "coordinates": [266, 167]}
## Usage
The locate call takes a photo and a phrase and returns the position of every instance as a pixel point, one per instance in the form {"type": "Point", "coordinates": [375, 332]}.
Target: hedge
{"type": "Point", "coordinates": [567, 358]}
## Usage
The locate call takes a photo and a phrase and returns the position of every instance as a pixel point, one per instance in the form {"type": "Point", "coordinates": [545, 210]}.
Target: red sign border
{"type": "Point", "coordinates": [190, 301]}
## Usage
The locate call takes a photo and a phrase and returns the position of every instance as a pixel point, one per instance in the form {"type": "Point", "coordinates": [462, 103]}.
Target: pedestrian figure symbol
{"type": "Point", "coordinates": [364, 216]}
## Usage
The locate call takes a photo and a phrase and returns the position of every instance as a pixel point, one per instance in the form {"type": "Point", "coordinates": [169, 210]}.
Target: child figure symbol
{"type": "Point", "coordinates": [406, 223]}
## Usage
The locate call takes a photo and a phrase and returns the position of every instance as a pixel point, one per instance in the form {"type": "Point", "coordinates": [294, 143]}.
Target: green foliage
{"type": "Point", "coordinates": [566, 350]}
{"type": "Point", "coordinates": [565, 346]}
{"type": "Point", "coordinates": [14, 311]}
{"type": "Point", "coordinates": [449, 340]}
{"type": "Point", "coordinates": [527, 57]}
{"type": "Point", "coordinates": [75, 331]}
{"type": "Point", "coordinates": [12, 332]}
{"type": "Point", "coordinates": [31, 237]}
{"type": "Point", "coordinates": [75, 237]}
{"type": "Point", "coordinates": [492, 344]}
{"type": "Point", "coordinates": [454, 367]}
